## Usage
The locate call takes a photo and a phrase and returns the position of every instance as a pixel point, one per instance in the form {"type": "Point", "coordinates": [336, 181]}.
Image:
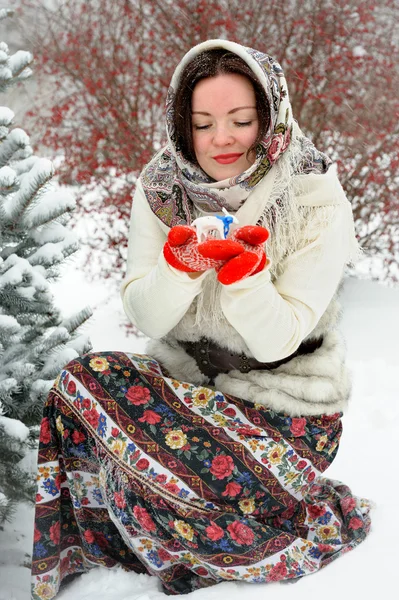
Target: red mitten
{"type": "Point", "coordinates": [182, 251]}
{"type": "Point", "coordinates": [251, 260]}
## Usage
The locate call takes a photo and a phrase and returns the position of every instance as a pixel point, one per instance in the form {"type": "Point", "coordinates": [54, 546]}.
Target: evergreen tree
{"type": "Point", "coordinates": [35, 341]}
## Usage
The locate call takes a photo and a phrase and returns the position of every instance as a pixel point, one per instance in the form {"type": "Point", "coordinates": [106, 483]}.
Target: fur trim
{"type": "Point", "coordinates": [176, 361]}
{"type": "Point", "coordinates": [311, 384]}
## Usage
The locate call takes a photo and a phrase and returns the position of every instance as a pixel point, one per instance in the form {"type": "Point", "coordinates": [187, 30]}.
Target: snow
{"type": "Point", "coordinates": [15, 548]}
{"type": "Point", "coordinates": [18, 63]}
{"type": "Point", "coordinates": [7, 386]}
{"type": "Point", "coordinates": [5, 12]}
{"type": "Point", "coordinates": [7, 177]}
{"type": "Point", "coordinates": [18, 137]}
{"type": "Point", "coordinates": [359, 51]}
{"type": "Point", "coordinates": [49, 254]}
{"type": "Point", "coordinates": [9, 323]}
{"type": "Point", "coordinates": [59, 360]}
{"type": "Point", "coordinates": [6, 114]}
{"type": "Point", "coordinates": [365, 460]}
{"type": "Point", "coordinates": [5, 73]}
{"type": "Point", "coordinates": [41, 171]}
{"type": "Point", "coordinates": [52, 232]}
{"type": "Point", "coordinates": [25, 165]}
{"type": "Point", "coordinates": [17, 271]}
{"type": "Point", "coordinates": [14, 428]}
{"type": "Point", "coordinates": [57, 196]}
{"type": "Point", "coordinates": [52, 205]}
{"type": "Point", "coordinates": [80, 344]}
{"type": "Point", "coordinates": [55, 241]}
{"type": "Point", "coordinates": [27, 292]}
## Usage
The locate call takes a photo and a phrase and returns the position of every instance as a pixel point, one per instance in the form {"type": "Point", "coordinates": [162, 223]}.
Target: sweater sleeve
{"type": "Point", "coordinates": [155, 295]}
{"type": "Point", "coordinates": [274, 318]}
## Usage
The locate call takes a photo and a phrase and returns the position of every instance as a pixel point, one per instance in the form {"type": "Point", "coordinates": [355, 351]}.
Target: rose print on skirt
{"type": "Point", "coordinates": [182, 482]}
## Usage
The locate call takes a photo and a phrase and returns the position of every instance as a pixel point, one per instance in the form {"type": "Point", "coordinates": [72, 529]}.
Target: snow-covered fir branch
{"type": "Point", "coordinates": [36, 341]}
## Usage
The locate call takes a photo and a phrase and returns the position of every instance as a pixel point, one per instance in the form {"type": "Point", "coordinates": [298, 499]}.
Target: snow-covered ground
{"type": "Point", "coordinates": [367, 461]}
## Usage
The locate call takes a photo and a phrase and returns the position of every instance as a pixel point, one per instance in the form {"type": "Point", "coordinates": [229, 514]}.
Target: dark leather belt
{"type": "Point", "coordinates": [213, 359]}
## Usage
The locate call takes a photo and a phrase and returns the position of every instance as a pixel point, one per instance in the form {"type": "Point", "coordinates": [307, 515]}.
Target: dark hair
{"type": "Point", "coordinates": [210, 64]}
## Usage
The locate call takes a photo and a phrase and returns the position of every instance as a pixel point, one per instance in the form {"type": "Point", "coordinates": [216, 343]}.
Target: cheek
{"type": "Point", "coordinates": [199, 144]}
{"type": "Point", "coordinates": [249, 136]}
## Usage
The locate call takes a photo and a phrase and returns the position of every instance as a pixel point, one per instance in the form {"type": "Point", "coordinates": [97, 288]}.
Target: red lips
{"type": "Point", "coordinates": [226, 159]}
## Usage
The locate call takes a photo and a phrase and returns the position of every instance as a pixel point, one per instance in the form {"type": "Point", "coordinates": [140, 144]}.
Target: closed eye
{"type": "Point", "coordinates": [237, 123]}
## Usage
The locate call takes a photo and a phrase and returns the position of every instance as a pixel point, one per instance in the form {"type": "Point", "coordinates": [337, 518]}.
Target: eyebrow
{"type": "Point", "coordinates": [234, 110]}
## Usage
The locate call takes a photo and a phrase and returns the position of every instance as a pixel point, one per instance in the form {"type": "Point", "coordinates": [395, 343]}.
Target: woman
{"type": "Point", "coordinates": [201, 462]}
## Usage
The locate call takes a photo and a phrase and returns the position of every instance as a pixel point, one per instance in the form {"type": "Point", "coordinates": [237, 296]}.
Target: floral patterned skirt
{"type": "Point", "coordinates": [138, 470]}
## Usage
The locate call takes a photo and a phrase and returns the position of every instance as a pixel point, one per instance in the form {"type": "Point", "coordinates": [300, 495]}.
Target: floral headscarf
{"type": "Point", "coordinates": [173, 185]}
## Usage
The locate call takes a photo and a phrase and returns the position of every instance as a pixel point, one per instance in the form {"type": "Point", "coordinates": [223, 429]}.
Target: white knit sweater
{"type": "Point", "coordinates": [266, 316]}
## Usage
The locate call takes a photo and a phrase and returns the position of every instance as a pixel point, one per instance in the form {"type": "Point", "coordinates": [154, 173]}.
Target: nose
{"type": "Point", "coordinates": [222, 136]}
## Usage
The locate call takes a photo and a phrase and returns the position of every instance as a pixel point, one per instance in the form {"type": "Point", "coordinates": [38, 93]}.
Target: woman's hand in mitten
{"type": "Point", "coordinates": [251, 260]}
{"type": "Point", "coordinates": [181, 251]}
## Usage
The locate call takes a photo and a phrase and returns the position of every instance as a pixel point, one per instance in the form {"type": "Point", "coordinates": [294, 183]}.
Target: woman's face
{"type": "Point", "coordinates": [225, 124]}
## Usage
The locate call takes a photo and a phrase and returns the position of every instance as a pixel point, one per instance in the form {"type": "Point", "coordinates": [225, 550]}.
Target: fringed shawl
{"type": "Point", "coordinates": [177, 189]}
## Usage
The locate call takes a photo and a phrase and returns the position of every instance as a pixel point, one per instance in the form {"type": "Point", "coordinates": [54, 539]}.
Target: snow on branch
{"type": "Point", "coordinates": [74, 322]}
{"type": "Point", "coordinates": [25, 165]}
{"type": "Point", "coordinates": [19, 63]}
{"type": "Point", "coordinates": [9, 326]}
{"type": "Point", "coordinates": [52, 205]}
{"type": "Point", "coordinates": [8, 184]}
{"type": "Point", "coordinates": [20, 369]}
{"type": "Point", "coordinates": [6, 12]}
{"type": "Point", "coordinates": [6, 116]}
{"type": "Point", "coordinates": [56, 362]}
{"type": "Point", "coordinates": [40, 389]}
{"type": "Point", "coordinates": [8, 178]}
{"type": "Point", "coordinates": [51, 232]}
{"type": "Point", "coordinates": [14, 428]}
{"type": "Point", "coordinates": [81, 344]}
{"type": "Point", "coordinates": [33, 242]}
{"type": "Point", "coordinates": [13, 68]}
{"type": "Point", "coordinates": [8, 386]}
{"type": "Point", "coordinates": [57, 337]}
{"type": "Point", "coordinates": [51, 254]}
{"type": "Point", "coordinates": [16, 141]}
{"type": "Point", "coordinates": [17, 271]}
{"type": "Point", "coordinates": [5, 71]}
{"type": "Point", "coordinates": [32, 182]}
